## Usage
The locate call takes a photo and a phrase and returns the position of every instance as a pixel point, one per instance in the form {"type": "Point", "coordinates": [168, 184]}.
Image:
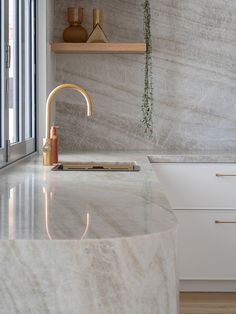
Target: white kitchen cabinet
{"type": "Point", "coordinates": [203, 196]}
{"type": "Point", "coordinates": [207, 250]}
{"type": "Point", "coordinates": [197, 186]}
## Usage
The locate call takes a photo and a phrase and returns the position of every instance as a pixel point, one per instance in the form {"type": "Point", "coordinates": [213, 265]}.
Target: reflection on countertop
{"type": "Point", "coordinates": [36, 203]}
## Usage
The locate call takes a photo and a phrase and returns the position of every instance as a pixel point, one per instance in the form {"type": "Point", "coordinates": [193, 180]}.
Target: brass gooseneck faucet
{"type": "Point", "coordinates": [47, 145]}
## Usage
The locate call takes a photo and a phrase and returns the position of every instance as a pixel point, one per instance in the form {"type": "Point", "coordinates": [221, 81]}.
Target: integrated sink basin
{"type": "Point", "coordinates": [96, 166]}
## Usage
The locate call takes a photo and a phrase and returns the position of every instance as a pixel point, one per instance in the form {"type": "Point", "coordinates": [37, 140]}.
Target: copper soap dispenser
{"type": "Point", "coordinates": [54, 141]}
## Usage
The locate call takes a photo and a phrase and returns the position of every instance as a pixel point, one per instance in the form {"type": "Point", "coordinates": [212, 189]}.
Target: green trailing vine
{"type": "Point", "coordinates": [147, 103]}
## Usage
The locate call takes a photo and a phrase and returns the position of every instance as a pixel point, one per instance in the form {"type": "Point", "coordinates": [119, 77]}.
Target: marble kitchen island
{"type": "Point", "coordinates": [86, 242]}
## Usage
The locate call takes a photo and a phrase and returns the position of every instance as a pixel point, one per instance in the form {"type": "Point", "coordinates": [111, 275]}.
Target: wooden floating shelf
{"type": "Point", "coordinates": [84, 48]}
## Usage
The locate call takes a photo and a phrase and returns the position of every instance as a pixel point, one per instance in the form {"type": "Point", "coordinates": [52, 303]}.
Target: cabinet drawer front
{"type": "Point", "coordinates": [198, 186]}
{"type": "Point", "coordinates": [207, 244]}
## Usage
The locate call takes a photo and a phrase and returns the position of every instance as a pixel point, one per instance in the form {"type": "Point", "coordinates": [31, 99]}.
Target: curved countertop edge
{"type": "Point", "coordinates": [135, 237]}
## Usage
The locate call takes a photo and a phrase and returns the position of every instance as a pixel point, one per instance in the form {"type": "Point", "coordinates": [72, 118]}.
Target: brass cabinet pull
{"type": "Point", "coordinates": [225, 175]}
{"type": "Point", "coordinates": [224, 222]}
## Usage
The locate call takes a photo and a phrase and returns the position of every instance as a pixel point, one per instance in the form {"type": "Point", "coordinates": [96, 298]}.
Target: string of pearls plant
{"type": "Point", "coordinates": [147, 103]}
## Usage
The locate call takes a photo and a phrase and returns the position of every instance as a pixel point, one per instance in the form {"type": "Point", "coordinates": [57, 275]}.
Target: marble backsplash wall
{"type": "Point", "coordinates": [194, 67]}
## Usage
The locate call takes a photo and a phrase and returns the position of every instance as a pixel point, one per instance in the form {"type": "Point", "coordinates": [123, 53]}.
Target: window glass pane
{"type": "Point", "coordinates": [28, 120]}
{"type": "Point", "coordinates": [13, 94]}
{"type": "Point", "coordinates": [17, 79]}
{"type": "Point", "coordinates": [29, 68]}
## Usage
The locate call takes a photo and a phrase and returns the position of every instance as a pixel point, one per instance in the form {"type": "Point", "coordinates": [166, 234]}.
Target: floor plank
{"type": "Point", "coordinates": [207, 303]}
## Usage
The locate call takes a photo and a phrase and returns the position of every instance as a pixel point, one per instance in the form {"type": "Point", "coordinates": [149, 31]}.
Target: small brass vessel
{"type": "Point", "coordinates": [97, 35]}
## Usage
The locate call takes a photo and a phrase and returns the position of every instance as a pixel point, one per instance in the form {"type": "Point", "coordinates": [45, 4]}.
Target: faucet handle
{"type": "Point", "coordinates": [47, 147]}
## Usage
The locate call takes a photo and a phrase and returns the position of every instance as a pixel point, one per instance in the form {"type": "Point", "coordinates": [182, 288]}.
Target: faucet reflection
{"type": "Point", "coordinates": [46, 213]}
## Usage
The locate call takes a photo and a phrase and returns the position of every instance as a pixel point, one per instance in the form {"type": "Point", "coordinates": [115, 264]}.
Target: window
{"type": "Point", "coordinates": [17, 64]}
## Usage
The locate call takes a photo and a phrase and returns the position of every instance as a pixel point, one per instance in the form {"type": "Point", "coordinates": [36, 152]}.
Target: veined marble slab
{"type": "Point", "coordinates": [86, 242]}
{"type": "Point", "coordinates": [198, 158]}
{"type": "Point", "coordinates": [194, 74]}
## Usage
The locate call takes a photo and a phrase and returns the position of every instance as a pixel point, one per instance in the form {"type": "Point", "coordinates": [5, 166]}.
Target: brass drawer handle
{"type": "Point", "coordinates": [225, 175]}
{"type": "Point", "coordinates": [224, 222]}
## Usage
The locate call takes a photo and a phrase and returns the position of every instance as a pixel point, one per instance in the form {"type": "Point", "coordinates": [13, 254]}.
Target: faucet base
{"type": "Point", "coordinates": [47, 152]}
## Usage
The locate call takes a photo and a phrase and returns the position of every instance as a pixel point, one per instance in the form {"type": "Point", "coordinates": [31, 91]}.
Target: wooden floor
{"type": "Point", "coordinates": [207, 303]}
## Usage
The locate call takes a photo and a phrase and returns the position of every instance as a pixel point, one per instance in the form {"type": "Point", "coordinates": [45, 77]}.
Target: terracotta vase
{"type": "Point", "coordinates": [75, 33]}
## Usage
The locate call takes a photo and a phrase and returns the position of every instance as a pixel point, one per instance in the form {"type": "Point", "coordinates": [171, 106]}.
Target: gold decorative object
{"type": "Point", "coordinates": [97, 18]}
{"type": "Point", "coordinates": [75, 33]}
{"type": "Point", "coordinates": [97, 35]}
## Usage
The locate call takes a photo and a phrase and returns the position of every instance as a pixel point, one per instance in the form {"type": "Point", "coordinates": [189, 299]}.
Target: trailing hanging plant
{"type": "Point", "coordinates": [147, 103]}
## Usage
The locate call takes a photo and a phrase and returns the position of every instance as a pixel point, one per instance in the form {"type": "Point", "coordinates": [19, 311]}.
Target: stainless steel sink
{"type": "Point", "coordinates": [96, 166]}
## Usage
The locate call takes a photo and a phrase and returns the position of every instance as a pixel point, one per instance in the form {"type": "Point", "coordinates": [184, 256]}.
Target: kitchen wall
{"type": "Point", "coordinates": [194, 66]}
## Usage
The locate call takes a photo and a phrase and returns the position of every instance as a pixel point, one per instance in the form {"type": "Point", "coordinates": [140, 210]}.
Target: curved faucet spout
{"type": "Point", "coordinates": [56, 91]}
{"type": "Point", "coordinates": [47, 142]}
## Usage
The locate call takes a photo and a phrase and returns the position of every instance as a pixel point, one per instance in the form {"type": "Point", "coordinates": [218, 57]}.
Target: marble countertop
{"type": "Point", "coordinates": [37, 203]}
{"type": "Point", "coordinates": [211, 157]}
